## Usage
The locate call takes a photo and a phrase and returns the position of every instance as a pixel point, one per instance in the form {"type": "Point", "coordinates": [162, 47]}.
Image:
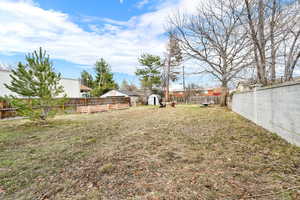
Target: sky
{"type": "Point", "coordinates": [76, 33]}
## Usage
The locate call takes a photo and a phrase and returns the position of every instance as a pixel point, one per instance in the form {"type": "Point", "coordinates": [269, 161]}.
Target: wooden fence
{"type": "Point", "coordinates": [197, 100]}
{"type": "Point", "coordinates": [73, 104]}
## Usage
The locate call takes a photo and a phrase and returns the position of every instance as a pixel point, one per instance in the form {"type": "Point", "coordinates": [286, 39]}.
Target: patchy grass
{"type": "Point", "coordinates": [147, 153]}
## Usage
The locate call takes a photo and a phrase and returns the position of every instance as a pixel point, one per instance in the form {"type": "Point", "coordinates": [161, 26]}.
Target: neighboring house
{"type": "Point", "coordinates": [243, 86]}
{"type": "Point", "coordinates": [85, 91]}
{"type": "Point", "coordinates": [197, 92]}
{"type": "Point", "coordinates": [153, 99]}
{"type": "Point", "coordinates": [176, 93]}
{"type": "Point", "coordinates": [71, 86]}
{"type": "Point", "coordinates": [249, 85]}
{"type": "Point", "coordinates": [134, 97]}
{"type": "Point", "coordinates": [212, 92]}
{"type": "Point", "coordinates": [179, 93]}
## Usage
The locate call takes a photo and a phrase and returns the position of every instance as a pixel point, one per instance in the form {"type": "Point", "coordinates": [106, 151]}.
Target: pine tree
{"type": "Point", "coordinates": [38, 83]}
{"type": "Point", "coordinates": [87, 79]}
{"type": "Point", "coordinates": [104, 78]}
{"type": "Point", "coordinates": [149, 75]}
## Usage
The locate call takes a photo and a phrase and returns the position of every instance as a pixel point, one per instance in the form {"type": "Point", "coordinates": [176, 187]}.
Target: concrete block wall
{"type": "Point", "coordinates": [276, 109]}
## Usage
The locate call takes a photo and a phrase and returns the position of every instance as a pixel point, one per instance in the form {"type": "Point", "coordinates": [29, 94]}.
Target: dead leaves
{"type": "Point", "coordinates": [183, 153]}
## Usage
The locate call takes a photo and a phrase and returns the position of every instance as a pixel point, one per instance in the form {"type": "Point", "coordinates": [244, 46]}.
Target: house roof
{"type": "Point", "coordinates": [4, 70]}
{"type": "Point", "coordinates": [129, 93]}
{"type": "Point", "coordinates": [85, 88]}
{"type": "Point", "coordinates": [154, 95]}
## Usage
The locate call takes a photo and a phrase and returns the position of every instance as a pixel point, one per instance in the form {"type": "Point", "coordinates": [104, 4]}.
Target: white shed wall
{"type": "Point", "coordinates": [151, 100]}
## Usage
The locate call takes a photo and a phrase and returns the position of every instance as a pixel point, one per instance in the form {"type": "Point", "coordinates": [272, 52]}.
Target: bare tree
{"type": "Point", "coordinates": [257, 32]}
{"type": "Point", "coordinates": [273, 26]}
{"type": "Point", "coordinates": [172, 61]}
{"type": "Point", "coordinates": [272, 38]}
{"type": "Point", "coordinates": [215, 37]}
{"type": "Point", "coordinates": [292, 40]}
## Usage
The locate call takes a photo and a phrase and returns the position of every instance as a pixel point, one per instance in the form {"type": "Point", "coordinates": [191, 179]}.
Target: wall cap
{"type": "Point", "coordinates": [286, 84]}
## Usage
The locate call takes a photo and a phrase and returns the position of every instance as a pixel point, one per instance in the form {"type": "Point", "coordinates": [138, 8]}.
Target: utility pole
{"type": "Point", "coordinates": [168, 78]}
{"type": "Point", "coordinates": [183, 84]}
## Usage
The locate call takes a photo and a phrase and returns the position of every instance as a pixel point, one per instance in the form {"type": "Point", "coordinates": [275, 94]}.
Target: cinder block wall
{"type": "Point", "coordinates": [277, 109]}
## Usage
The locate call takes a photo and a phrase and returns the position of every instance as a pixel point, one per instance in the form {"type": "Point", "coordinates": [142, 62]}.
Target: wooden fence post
{"type": "Point", "coordinates": [106, 103]}
{"type": "Point", "coordinates": [1, 106]}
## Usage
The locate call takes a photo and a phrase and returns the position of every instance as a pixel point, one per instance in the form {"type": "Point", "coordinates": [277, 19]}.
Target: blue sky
{"type": "Point", "coordinates": [76, 33]}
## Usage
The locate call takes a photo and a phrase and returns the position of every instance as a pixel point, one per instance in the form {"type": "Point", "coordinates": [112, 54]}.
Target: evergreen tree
{"type": "Point", "coordinates": [150, 75]}
{"type": "Point", "coordinates": [87, 79]}
{"type": "Point", "coordinates": [104, 78]}
{"type": "Point", "coordinates": [37, 81]}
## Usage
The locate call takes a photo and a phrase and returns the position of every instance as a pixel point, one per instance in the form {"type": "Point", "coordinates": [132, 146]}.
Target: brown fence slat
{"type": "Point", "coordinates": [197, 99]}
{"type": "Point", "coordinates": [6, 111]}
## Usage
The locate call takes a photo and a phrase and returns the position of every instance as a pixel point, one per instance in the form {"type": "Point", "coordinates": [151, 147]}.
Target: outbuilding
{"type": "Point", "coordinates": [154, 99]}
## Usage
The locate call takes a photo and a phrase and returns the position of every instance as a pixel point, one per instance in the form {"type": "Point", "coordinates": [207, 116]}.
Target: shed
{"type": "Point", "coordinates": [153, 99]}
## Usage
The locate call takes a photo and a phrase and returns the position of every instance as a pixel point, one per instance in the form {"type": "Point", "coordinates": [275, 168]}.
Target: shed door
{"type": "Point", "coordinates": [154, 100]}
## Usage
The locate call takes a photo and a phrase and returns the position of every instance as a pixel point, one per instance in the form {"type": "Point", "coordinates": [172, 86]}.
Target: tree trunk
{"type": "Point", "coordinates": [224, 95]}
{"type": "Point", "coordinates": [292, 60]}
{"type": "Point", "coordinates": [262, 42]}
{"type": "Point", "coordinates": [258, 39]}
{"type": "Point", "coordinates": [273, 48]}
{"type": "Point", "coordinates": [44, 114]}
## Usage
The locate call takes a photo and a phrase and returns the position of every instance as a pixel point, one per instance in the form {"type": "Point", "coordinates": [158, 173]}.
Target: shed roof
{"type": "Point", "coordinates": [129, 93]}
{"type": "Point", "coordinates": [156, 95]}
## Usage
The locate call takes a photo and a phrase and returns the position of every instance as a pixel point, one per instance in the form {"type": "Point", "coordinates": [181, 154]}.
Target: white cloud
{"type": "Point", "coordinates": [121, 1]}
{"type": "Point", "coordinates": [25, 27]}
{"type": "Point", "coordinates": [142, 3]}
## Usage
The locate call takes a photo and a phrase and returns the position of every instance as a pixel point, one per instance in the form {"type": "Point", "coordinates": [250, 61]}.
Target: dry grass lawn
{"type": "Point", "coordinates": [147, 153]}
